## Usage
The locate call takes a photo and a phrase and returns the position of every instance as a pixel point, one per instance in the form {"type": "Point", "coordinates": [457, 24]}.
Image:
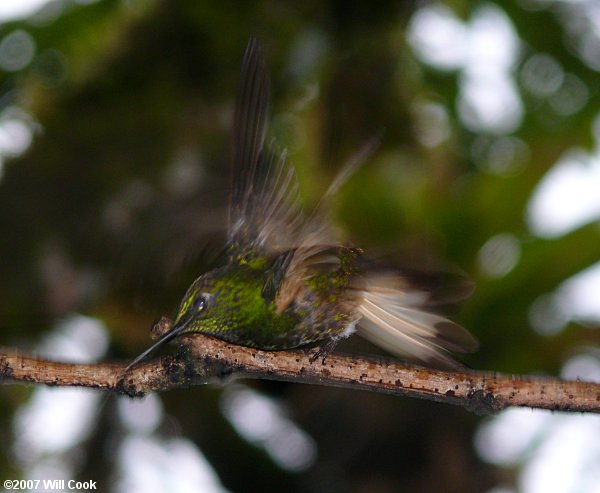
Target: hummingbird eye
{"type": "Point", "coordinates": [202, 302]}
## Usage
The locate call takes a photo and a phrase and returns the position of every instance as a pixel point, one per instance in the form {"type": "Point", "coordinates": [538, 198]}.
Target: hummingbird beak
{"type": "Point", "coordinates": [177, 330]}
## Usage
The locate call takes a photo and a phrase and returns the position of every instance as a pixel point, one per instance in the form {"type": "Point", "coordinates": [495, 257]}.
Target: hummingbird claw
{"type": "Point", "coordinates": [323, 351]}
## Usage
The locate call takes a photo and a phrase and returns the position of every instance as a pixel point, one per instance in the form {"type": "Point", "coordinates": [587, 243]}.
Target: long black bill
{"type": "Point", "coordinates": [161, 342]}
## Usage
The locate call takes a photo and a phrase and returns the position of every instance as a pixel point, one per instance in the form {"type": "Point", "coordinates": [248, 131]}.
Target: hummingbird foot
{"type": "Point", "coordinates": [323, 351]}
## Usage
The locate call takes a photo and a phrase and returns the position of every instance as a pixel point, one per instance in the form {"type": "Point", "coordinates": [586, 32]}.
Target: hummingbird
{"type": "Point", "coordinates": [288, 282]}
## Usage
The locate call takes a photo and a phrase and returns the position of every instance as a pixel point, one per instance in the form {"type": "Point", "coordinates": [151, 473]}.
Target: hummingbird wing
{"type": "Point", "coordinates": [263, 217]}
{"type": "Point", "coordinates": [316, 249]}
{"type": "Point", "coordinates": [396, 316]}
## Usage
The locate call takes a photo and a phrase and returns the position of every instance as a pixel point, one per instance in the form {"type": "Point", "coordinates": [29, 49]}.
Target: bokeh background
{"type": "Point", "coordinates": [115, 119]}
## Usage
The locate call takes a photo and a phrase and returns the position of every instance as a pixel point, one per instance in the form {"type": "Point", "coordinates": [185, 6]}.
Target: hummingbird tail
{"type": "Point", "coordinates": [394, 318]}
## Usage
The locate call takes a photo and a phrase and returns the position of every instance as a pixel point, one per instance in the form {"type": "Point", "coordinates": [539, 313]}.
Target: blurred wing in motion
{"type": "Point", "coordinates": [262, 212]}
{"type": "Point", "coordinates": [264, 216]}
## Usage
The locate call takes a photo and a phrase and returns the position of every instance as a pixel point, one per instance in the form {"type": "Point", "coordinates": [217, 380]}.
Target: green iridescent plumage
{"type": "Point", "coordinates": [239, 303]}
{"type": "Point", "coordinates": [288, 281]}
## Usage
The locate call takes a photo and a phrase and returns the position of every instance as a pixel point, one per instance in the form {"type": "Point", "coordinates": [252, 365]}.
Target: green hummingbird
{"type": "Point", "coordinates": [288, 282]}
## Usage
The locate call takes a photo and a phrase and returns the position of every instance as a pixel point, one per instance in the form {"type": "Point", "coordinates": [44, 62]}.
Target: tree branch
{"type": "Point", "coordinates": [210, 359]}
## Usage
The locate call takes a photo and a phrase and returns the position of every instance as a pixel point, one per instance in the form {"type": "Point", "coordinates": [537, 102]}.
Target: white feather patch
{"type": "Point", "coordinates": [393, 322]}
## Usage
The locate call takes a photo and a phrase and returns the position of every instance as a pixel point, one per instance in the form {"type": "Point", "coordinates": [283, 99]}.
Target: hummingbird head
{"type": "Point", "coordinates": [198, 309]}
{"type": "Point", "coordinates": [218, 303]}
